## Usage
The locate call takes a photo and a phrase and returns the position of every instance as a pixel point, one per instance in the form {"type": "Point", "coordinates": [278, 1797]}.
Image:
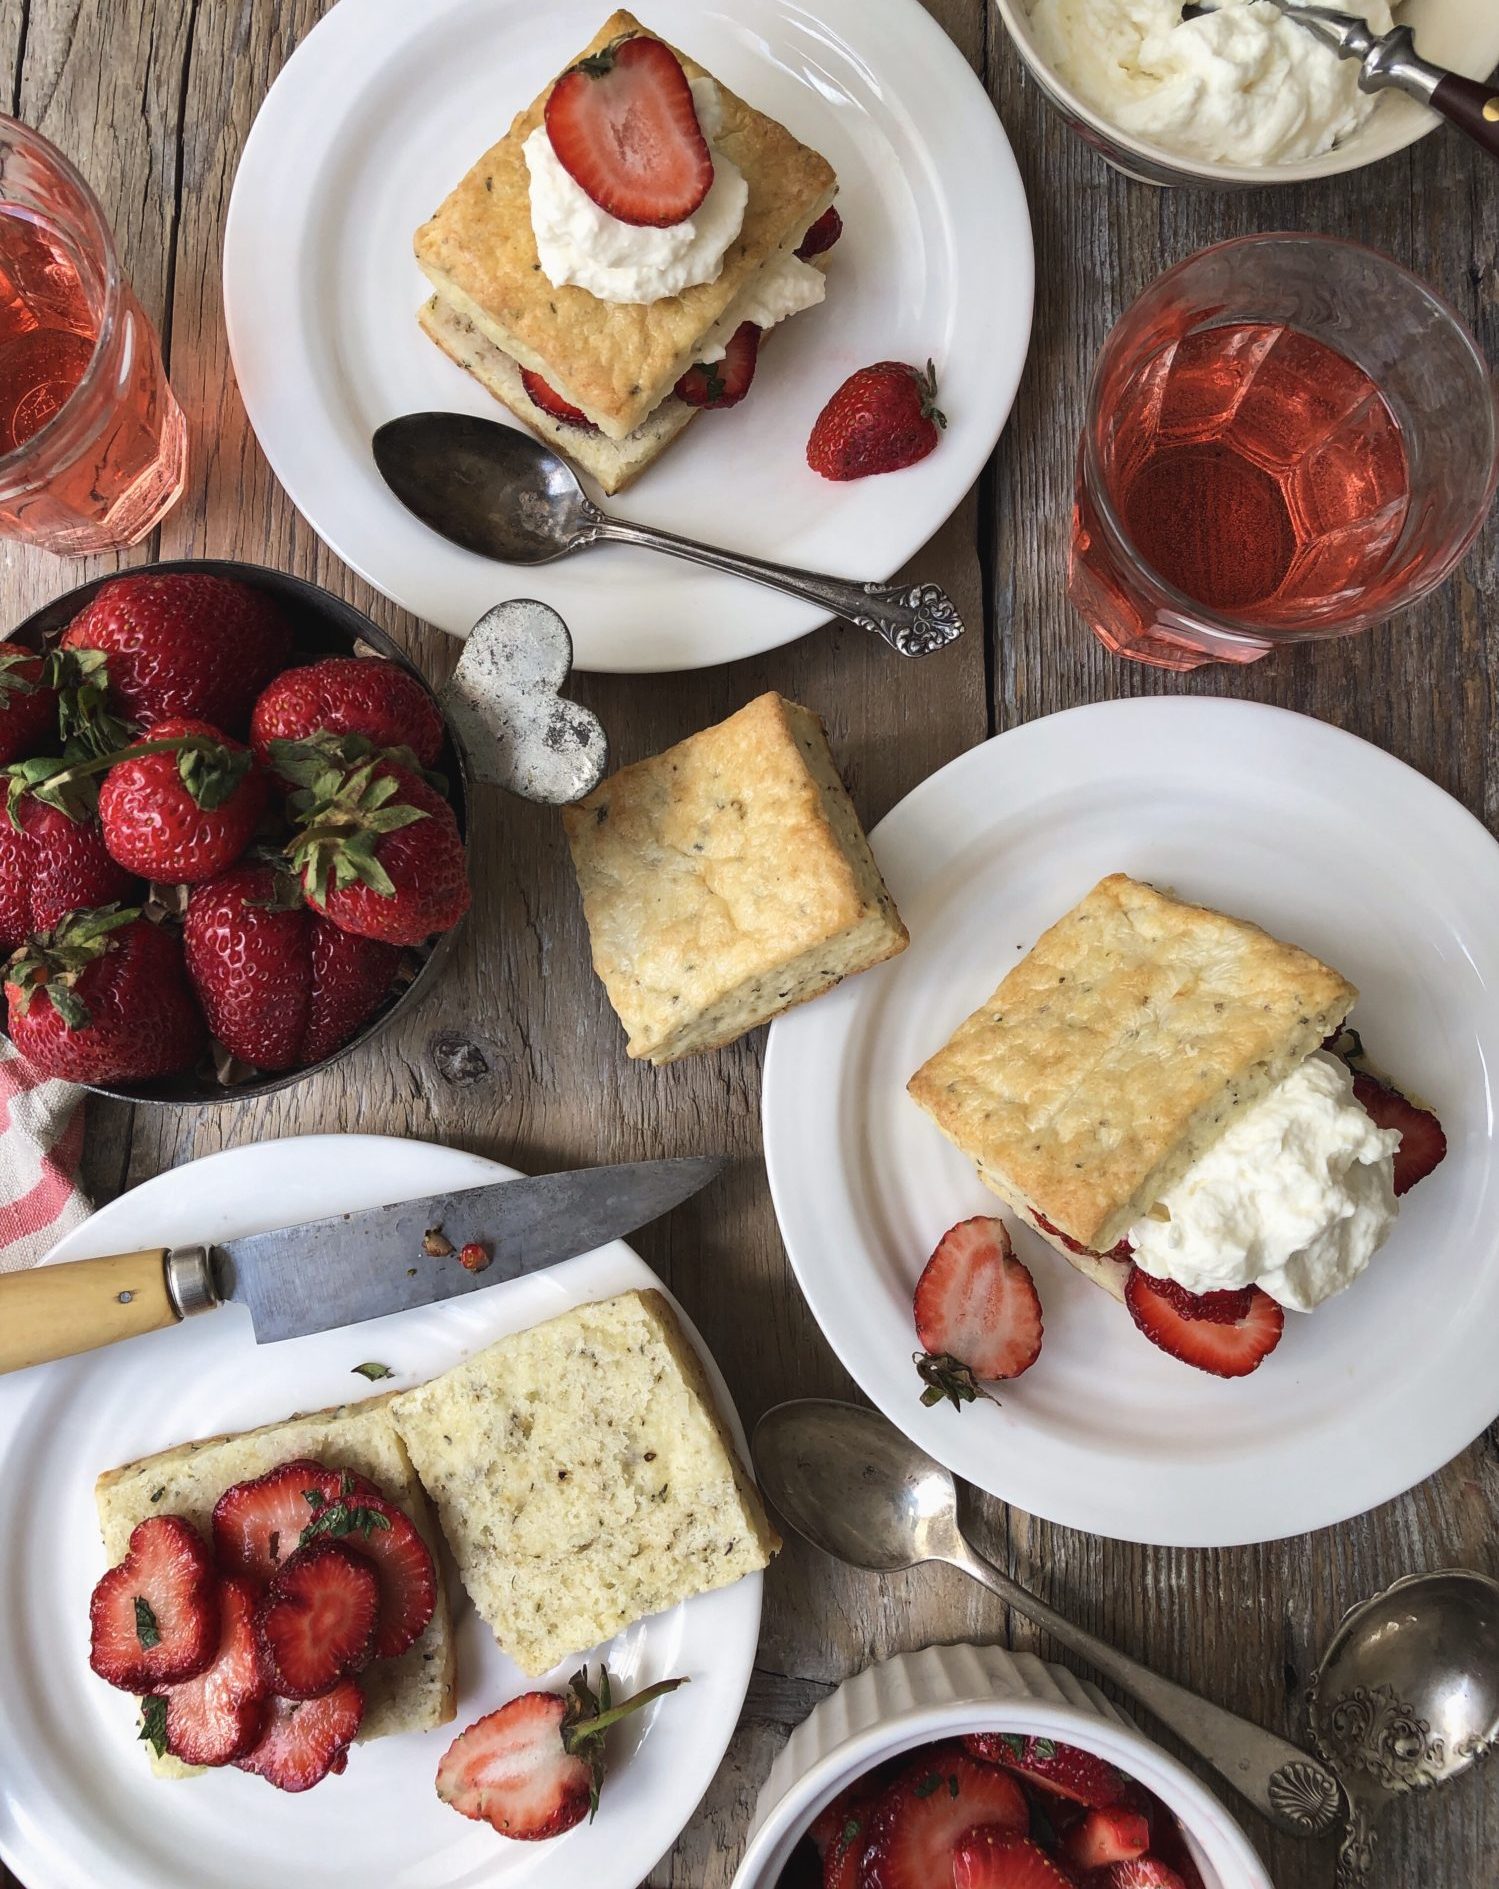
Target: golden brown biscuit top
{"type": "Point", "coordinates": [1115, 1052]}
{"type": "Point", "coordinates": [616, 360]}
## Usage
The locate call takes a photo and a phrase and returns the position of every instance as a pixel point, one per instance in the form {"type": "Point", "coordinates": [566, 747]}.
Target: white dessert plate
{"type": "Point", "coordinates": [385, 105]}
{"type": "Point", "coordinates": [79, 1808]}
{"type": "Point", "coordinates": [1326, 842]}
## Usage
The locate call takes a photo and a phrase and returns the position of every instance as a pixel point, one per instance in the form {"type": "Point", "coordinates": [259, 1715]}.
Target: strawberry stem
{"type": "Point", "coordinates": [586, 1728]}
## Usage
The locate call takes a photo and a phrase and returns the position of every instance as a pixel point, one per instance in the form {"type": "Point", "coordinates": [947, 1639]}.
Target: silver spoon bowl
{"type": "Point", "coordinates": [1407, 1696]}
{"type": "Point", "coordinates": [504, 495]}
{"type": "Point", "coordinates": [855, 1487]}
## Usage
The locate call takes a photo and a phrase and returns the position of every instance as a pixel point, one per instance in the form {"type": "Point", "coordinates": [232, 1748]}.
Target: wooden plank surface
{"type": "Point", "coordinates": [517, 1055]}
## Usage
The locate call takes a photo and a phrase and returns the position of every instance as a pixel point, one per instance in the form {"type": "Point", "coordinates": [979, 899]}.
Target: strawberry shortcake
{"type": "Point", "coordinates": [607, 270]}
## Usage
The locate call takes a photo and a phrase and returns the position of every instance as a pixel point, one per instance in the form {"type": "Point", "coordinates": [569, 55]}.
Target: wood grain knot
{"type": "Point", "coordinates": [458, 1059]}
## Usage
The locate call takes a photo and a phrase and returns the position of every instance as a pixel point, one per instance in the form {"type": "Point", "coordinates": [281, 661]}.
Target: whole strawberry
{"type": "Point", "coordinates": [52, 863]}
{"type": "Point", "coordinates": [881, 419]}
{"type": "Point", "coordinates": [280, 985]}
{"type": "Point", "coordinates": [182, 804]}
{"type": "Point", "coordinates": [184, 643]}
{"type": "Point", "coordinates": [378, 850]}
{"type": "Point", "coordinates": [28, 704]}
{"type": "Point", "coordinates": [349, 695]}
{"type": "Point", "coordinates": [103, 997]}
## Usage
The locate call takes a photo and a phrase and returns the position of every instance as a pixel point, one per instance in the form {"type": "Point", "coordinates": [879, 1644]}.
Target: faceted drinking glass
{"type": "Point", "coordinates": [93, 447]}
{"type": "Point", "coordinates": [1343, 421]}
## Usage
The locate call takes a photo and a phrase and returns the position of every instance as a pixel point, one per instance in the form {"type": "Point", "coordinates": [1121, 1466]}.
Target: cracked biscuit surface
{"type": "Point", "coordinates": [726, 880]}
{"type": "Point", "coordinates": [1117, 1051]}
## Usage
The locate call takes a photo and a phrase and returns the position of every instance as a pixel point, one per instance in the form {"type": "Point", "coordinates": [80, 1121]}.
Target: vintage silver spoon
{"type": "Point", "coordinates": [1407, 1696]}
{"type": "Point", "coordinates": [505, 495]}
{"type": "Point", "coordinates": [855, 1487]}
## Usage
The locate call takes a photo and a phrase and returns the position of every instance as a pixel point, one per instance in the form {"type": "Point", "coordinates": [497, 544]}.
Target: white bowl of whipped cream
{"type": "Point", "coordinates": [1239, 95]}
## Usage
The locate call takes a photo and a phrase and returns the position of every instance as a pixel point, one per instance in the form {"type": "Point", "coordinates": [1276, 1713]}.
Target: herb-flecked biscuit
{"type": "Point", "coordinates": [726, 880]}
{"type": "Point", "coordinates": [410, 1693]}
{"type": "Point", "coordinates": [584, 1477]}
{"type": "Point", "coordinates": [615, 361]}
{"type": "Point", "coordinates": [1117, 1051]}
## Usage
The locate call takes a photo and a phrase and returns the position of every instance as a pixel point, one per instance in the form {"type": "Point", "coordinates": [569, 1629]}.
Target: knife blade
{"type": "Point", "coordinates": [342, 1270]}
{"type": "Point", "coordinates": [357, 1266]}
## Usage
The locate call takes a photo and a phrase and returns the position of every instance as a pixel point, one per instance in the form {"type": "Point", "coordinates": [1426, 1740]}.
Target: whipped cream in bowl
{"type": "Point", "coordinates": [1296, 1196]}
{"type": "Point", "coordinates": [581, 245]}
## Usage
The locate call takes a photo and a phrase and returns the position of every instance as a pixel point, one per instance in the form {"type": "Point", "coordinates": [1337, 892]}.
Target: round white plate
{"type": "Point", "coordinates": [1324, 841]}
{"type": "Point", "coordinates": [79, 1808]}
{"type": "Point", "coordinates": [386, 104]}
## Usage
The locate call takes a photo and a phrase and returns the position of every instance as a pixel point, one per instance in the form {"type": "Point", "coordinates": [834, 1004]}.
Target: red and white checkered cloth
{"type": "Point", "coordinates": [41, 1140]}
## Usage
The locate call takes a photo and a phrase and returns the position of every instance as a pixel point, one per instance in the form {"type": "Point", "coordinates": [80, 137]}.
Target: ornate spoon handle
{"type": "Point", "coordinates": [1298, 1794]}
{"type": "Point", "coordinates": [1356, 1851]}
{"type": "Point", "coordinates": [914, 619]}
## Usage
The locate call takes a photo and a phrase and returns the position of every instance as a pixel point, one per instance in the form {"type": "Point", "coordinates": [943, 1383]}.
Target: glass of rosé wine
{"type": "Point", "coordinates": [93, 447]}
{"type": "Point", "coordinates": [1287, 438]}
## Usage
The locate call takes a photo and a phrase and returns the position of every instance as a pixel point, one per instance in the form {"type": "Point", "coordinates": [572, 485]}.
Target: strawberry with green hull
{"type": "Point", "coordinates": [978, 1316]}
{"type": "Point", "coordinates": [183, 643]}
{"type": "Point", "coordinates": [716, 385]}
{"type": "Point", "coordinates": [882, 419]}
{"type": "Point", "coordinates": [625, 129]}
{"type": "Point", "coordinates": [535, 1768]}
{"type": "Point", "coordinates": [28, 704]}
{"type": "Point", "coordinates": [103, 997]}
{"type": "Point", "coordinates": [306, 1740]}
{"type": "Point", "coordinates": [348, 695]}
{"type": "Point", "coordinates": [377, 848]}
{"type": "Point", "coordinates": [182, 804]}
{"type": "Point", "coordinates": [218, 1716]}
{"type": "Point", "coordinates": [154, 1618]}
{"type": "Point", "coordinates": [281, 987]}
{"type": "Point", "coordinates": [53, 862]}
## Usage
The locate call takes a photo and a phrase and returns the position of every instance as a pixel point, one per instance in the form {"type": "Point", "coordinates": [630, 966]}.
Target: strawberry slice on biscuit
{"type": "Point", "coordinates": [624, 127]}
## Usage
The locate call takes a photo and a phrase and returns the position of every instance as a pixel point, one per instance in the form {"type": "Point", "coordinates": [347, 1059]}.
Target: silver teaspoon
{"type": "Point", "coordinates": [1407, 1696]}
{"type": "Point", "coordinates": [855, 1487]}
{"type": "Point", "coordinates": [505, 495]}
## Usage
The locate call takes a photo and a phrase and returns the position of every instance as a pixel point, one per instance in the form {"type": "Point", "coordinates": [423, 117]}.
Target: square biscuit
{"type": "Point", "coordinates": [1118, 1049]}
{"type": "Point", "coordinates": [726, 880]}
{"type": "Point", "coordinates": [584, 1477]}
{"type": "Point", "coordinates": [614, 361]}
{"type": "Point", "coordinates": [410, 1693]}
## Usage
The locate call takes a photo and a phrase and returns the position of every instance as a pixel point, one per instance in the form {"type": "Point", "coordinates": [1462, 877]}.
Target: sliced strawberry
{"type": "Point", "coordinates": [977, 1313]}
{"type": "Point", "coordinates": [218, 1716]}
{"type": "Point", "coordinates": [1146, 1872]}
{"type": "Point", "coordinates": [839, 1830]}
{"type": "Point", "coordinates": [1122, 1251]}
{"type": "Point", "coordinates": [624, 127]}
{"type": "Point", "coordinates": [316, 1623]}
{"type": "Point", "coordinates": [719, 384]}
{"type": "Point", "coordinates": [306, 1739]}
{"type": "Point", "coordinates": [930, 1804]}
{"type": "Point", "coordinates": [545, 396]}
{"type": "Point", "coordinates": [536, 1767]}
{"type": "Point", "coordinates": [989, 1858]}
{"type": "Point", "coordinates": [1423, 1145]}
{"type": "Point", "coordinates": [155, 1617]}
{"type": "Point", "coordinates": [1116, 1835]}
{"type": "Point", "coordinates": [1228, 1334]}
{"type": "Point", "coordinates": [822, 235]}
{"type": "Point", "coordinates": [258, 1525]}
{"type": "Point", "coordinates": [1065, 1770]}
{"type": "Point", "coordinates": [402, 1563]}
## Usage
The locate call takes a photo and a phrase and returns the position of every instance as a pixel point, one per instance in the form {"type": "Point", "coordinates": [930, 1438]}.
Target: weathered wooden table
{"type": "Point", "coordinates": [517, 1055]}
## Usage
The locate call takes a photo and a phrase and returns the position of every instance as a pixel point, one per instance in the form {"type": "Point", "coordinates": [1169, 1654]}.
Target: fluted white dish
{"type": "Point", "coordinates": [945, 1691]}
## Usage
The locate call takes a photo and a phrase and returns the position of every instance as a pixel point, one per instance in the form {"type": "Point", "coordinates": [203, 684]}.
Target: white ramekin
{"type": "Point", "coordinates": [944, 1692]}
{"type": "Point", "coordinates": [1463, 34]}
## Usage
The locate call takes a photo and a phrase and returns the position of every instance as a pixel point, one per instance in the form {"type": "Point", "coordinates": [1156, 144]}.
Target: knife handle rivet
{"type": "Point", "coordinates": [125, 1297]}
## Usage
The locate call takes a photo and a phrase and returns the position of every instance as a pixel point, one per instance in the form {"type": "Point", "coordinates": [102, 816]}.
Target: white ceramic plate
{"type": "Point", "coordinates": [386, 104]}
{"type": "Point", "coordinates": [1322, 839]}
{"type": "Point", "coordinates": [79, 1808]}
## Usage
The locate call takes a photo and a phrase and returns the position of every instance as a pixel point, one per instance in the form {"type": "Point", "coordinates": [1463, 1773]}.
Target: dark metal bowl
{"type": "Point", "coordinates": [322, 625]}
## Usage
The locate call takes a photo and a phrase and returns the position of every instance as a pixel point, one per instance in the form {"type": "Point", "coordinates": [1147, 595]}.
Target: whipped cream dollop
{"type": "Point", "coordinates": [1296, 1196]}
{"type": "Point", "coordinates": [1240, 85]}
{"type": "Point", "coordinates": [581, 245]}
{"type": "Point", "coordinates": [783, 288]}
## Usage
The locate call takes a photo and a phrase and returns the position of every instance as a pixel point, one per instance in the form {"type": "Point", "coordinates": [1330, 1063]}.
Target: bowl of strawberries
{"type": "Point", "coordinates": [232, 844]}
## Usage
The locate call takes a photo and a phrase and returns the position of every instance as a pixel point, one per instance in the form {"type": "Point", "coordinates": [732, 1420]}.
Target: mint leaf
{"type": "Point", "coordinates": [146, 1629]}
{"type": "Point", "coordinates": [374, 1372]}
{"type": "Point", "coordinates": [154, 1724]}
